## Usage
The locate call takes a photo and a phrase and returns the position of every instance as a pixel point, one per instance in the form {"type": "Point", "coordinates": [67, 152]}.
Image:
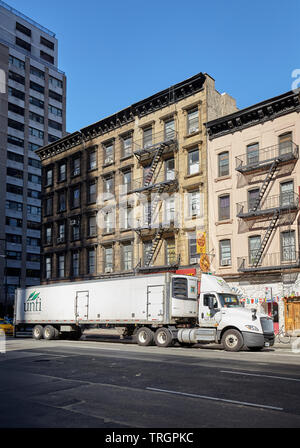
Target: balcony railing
{"type": "Point", "coordinates": [162, 182]}
{"type": "Point", "coordinates": [145, 147]}
{"type": "Point", "coordinates": [286, 202]}
{"type": "Point", "coordinates": [287, 259]}
{"type": "Point", "coordinates": [263, 157]}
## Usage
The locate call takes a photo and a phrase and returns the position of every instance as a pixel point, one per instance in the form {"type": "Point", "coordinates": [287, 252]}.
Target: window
{"type": "Point", "coordinates": [48, 267]}
{"type": "Point", "coordinates": [91, 261]}
{"type": "Point", "coordinates": [47, 43]}
{"type": "Point", "coordinates": [170, 169]}
{"type": "Point", "coordinates": [76, 166]}
{"type": "Point", "coordinates": [193, 121]}
{"type": "Point", "coordinates": [62, 171]}
{"type": "Point", "coordinates": [146, 251]}
{"type": "Point", "coordinates": [252, 154]}
{"type": "Point", "coordinates": [55, 96]}
{"type": "Point", "coordinates": [49, 177]}
{"type": "Point", "coordinates": [225, 253]}
{"type": "Point", "coordinates": [61, 232]}
{"type": "Point", "coordinates": [36, 72]}
{"type": "Point", "coordinates": [224, 207]}
{"type": "Point", "coordinates": [33, 146]}
{"type": "Point", "coordinates": [194, 203]}
{"type": "Point", "coordinates": [126, 217]}
{"type": "Point", "coordinates": [52, 138]}
{"type": "Point", "coordinates": [61, 266]}
{"type": "Point", "coordinates": [34, 178]}
{"type": "Point", "coordinates": [169, 129]}
{"type": "Point", "coordinates": [16, 109]}
{"type": "Point", "coordinates": [35, 102]}
{"type": "Point", "coordinates": [16, 125]}
{"type": "Point", "coordinates": [108, 259]}
{"type": "Point", "coordinates": [126, 187]}
{"type": "Point", "coordinates": [170, 251]}
{"type": "Point", "coordinates": [12, 172]}
{"type": "Point", "coordinates": [15, 239]}
{"type": "Point", "coordinates": [109, 221]}
{"type": "Point", "coordinates": [108, 185]}
{"type": "Point", "coordinates": [223, 164]}
{"type": "Point", "coordinates": [48, 235]}
{"type": "Point", "coordinates": [55, 125]}
{"type": "Point", "coordinates": [15, 62]}
{"type": "Point", "coordinates": [37, 87]}
{"type": "Point", "coordinates": [170, 216]}
{"type": "Point", "coordinates": [13, 205]}
{"type": "Point", "coordinates": [55, 110]}
{"type": "Point", "coordinates": [193, 161]}
{"type": "Point", "coordinates": [15, 141]}
{"type": "Point", "coordinates": [23, 29]}
{"type": "Point", "coordinates": [193, 255]}
{"type": "Point", "coordinates": [62, 201]}
{"type": "Point", "coordinates": [36, 133]}
{"type": "Point", "coordinates": [147, 137]}
{"type": "Point", "coordinates": [254, 245]}
{"type": "Point", "coordinates": [92, 160]}
{"type": "Point", "coordinates": [16, 93]}
{"type": "Point", "coordinates": [54, 82]}
{"type": "Point", "coordinates": [252, 198]}
{"type": "Point", "coordinates": [75, 228]}
{"type": "Point", "coordinates": [15, 157]}
{"type": "Point", "coordinates": [49, 206]}
{"type": "Point", "coordinates": [35, 242]}
{"type": "Point", "coordinates": [75, 264]}
{"type": "Point", "coordinates": [14, 189]}
{"type": "Point", "coordinates": [285, 143]}
{"type": "Point", "coordinates": [92, 226]}
{"type": "Point", "coordinates": [16, 77]}
{"type": "Point", "coordinates": [75, 197]}
{"type": "Point", "coordinates": [21, 43]}
{"type": "Point", "coordinates": [13, 222]}
{"type": "Point", "coordinates": [127, 145]}
{"type": "Point", "coordinates": [127, 257]}
{"type": "Point", "coordinates": [288, 244]}
{"type": "Point", "coordinates": [13, 255]}
{"type": "Point", "coordinates": [47, 57]}
{"type": "Point", "coordinates": [35, 258]}
{"type": "Point", "coordinates": [92, 192]}
{"type": "Point", "coordinates": [35, 117]}
{"type": "Point", "coordinates": [33, 210]}
{"type": "Point", "coordinates": [287, 194]}
{"type": "Point", "coordinates": [108, 153]}
{"type": "Point", "coordinates": [34, 163]}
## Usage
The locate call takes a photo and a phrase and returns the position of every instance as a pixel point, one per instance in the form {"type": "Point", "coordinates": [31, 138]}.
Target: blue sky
{"type": "Point", "coordinates": [118, 52]}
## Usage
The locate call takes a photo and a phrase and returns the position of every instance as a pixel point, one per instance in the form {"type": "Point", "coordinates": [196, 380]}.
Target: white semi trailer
{"type": "Point", "coordinates": [158, 308]}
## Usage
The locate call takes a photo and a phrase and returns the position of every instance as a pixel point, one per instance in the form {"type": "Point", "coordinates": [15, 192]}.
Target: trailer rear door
{"type": "Point", "coordinates": [82, 305]}
{"type": "Point", "coordinates": [155, 303]}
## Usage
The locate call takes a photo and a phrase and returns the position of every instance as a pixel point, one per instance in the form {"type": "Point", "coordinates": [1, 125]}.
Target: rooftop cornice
{"type": "Point", "coordinates": [258, 113]}
{"type": "Point", "coordinates": [147, 106]}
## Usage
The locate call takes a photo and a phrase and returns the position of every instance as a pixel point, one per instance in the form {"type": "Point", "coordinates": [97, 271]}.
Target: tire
{"type": "Point", "coordinates": [144, 337]}
{"type": "Point", "coordinates": [163, 337]}
{"type": "Point", "coordinates": [38, 332]}
{"type": "Point", "coordinates": [50, 333]}
{"type": "Point", "coordinates": [232, 340]}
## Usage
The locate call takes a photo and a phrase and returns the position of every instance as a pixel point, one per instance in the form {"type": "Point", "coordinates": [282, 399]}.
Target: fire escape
{"type": "Point", "coordinates": [275, 210]}
{"type": "Point", "coordinates": [155, 181]}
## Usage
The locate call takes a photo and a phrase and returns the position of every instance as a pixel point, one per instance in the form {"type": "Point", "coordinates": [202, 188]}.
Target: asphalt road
{"type": "Point", "coordinates": [116, 384]}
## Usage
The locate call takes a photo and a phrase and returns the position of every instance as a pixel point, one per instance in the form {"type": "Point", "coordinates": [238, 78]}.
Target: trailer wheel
{"type": "Point", "coordinates": [163, 337]}
{"type": "Point", "coordinates": [144, 337]}
{"type": "Point", "coordinates": [37, 332]}
{"type": "Point", "coordinates": [50, 333]}
{"type": "Point", "coordinates": [232, 340]}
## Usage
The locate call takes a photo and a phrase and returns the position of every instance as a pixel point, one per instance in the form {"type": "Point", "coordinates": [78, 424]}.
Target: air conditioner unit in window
{"type": "Point", "coordinates": [193, 129]}
{"type": "Point", "coordinates": [108, 270]}
{"type": "Point", "coordinates": [193, 260]}
{"type": "Point", "coordinates": [108, 160]}
{"type": "Point", "coordinates": [226, 262]}
{"type": "Point", "coordinates": [74, 222]}
{"type": "Point", "coordinates": [60, 239]}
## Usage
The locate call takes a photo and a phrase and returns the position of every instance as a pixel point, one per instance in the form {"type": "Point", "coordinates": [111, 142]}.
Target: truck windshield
{"type": "Point", "coordinates": [229, 300]}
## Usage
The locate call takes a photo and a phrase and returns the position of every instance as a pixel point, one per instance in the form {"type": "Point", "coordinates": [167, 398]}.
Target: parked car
{"type": "Point", "coordinates": [7, 327]}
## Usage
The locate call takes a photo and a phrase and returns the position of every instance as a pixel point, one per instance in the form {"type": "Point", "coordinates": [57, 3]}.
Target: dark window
{"type": "Point", "coordinates": [49, 206]}
{"type": "Point", "coordinates": [15, 157]}
{"type": "Point", "coordinates": [55, 125]}
{"type": "Point", "coordinates": [36, 102]}
{"type": "Point", "coordinates": [16, 125]}
{"type": "Point", "coordinates": [15, 173]}
{"type": "Point", "coordinates": [32, 273]}
{"type": "Point", "coordinates": [14, 189]}
{"type": "Point", "coordinates": [47, 57]}
{"type": "Point", "coordinates": [224, 207]}
{"type": "Point", "coordinates": [35, 163]}
{"type": "Point", "coordinates": [36, 72]}
{"type": "Point", "coordinates": [23, 29]}
{"type": "Point", "coordinates": [36, 87]}
{"type": "Point", "coordinates": [16, 77]}
{"type": "Point", "coordinates": [75, 198]}
{"type": "Point", "coordinates": [16, 109]}
{"type": "Point", "coordinates": [47, 43]}
{"type": "Point", "coordinates": [52, 138]}
{"type": "Point", "coordinates": [61, 201]}
{"type": "Point", "coordinates": [34, 194]}
{"type": "Point", "coordinates": [16, 93]}
{"type": "Point", "coordinates": [92, 192]}
{"type": "Point", "coordinates": [36, 117]}
{"type": "Point", "coordinates": [11, 238]}
{"type": "Point", "coordinates": [55, 96]}
{"type": "Point", "coordinates": [23, 44]}
{"type": "Point", "coordinates": [36, 258]}
{"type": "Point", "coordinates": [223, 164]}
{"type": "Point", "coordinates": [13, 222]}
{"type": "Point", "coordinates": [15, 141]}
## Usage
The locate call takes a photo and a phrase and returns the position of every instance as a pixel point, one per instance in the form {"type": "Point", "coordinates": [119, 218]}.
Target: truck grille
{"type": "Point", "coordinates": [267, 325]}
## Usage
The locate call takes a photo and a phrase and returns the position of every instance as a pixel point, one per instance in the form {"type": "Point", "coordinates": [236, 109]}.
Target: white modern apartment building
{"type": "Point", "coordinates": [32, 114]}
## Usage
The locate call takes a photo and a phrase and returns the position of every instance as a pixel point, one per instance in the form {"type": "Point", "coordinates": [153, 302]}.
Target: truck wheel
{"type": "Point", "coordinates": [144, 336]}
{"type": "Point", "coordinates": [163, 337]}
{"type": "Point", "coordinates": [49, 333]}
{"type": "Point", "coordinates": [38, 332]}
{"type": "Point", "coordinates": [232, 340]}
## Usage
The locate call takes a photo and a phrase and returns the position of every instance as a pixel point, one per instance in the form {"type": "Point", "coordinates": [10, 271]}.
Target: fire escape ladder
{"type": "Point", "coordinates": [266, 238]}
{"type": "Point", "coordinates": [265, 184]}
{"type": "Point", "coordinates": [154, 204]}
{"type": "Point", "coordinates": [154, 246]}
{"type": "Point", "coordinates": [154, 164]}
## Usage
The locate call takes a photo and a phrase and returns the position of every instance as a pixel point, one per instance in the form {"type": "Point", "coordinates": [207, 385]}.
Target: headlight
{"type": "Point", "coordinates": [252, 327]}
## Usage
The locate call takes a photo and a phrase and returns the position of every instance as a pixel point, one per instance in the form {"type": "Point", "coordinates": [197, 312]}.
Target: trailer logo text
{"type": "Point", "coordinates": [33, 303]}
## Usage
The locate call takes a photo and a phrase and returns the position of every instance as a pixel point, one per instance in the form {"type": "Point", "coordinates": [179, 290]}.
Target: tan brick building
{"type": "Point", "coordinates": [129, 193]}
{"type": "Point", "coordinates": [254, 178]}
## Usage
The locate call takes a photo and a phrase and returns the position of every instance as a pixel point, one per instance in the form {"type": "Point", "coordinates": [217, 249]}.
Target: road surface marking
{"type": "Point", "coordinates": [262, 375]}
{"type": "Point", "coordinates": [205, 397]}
